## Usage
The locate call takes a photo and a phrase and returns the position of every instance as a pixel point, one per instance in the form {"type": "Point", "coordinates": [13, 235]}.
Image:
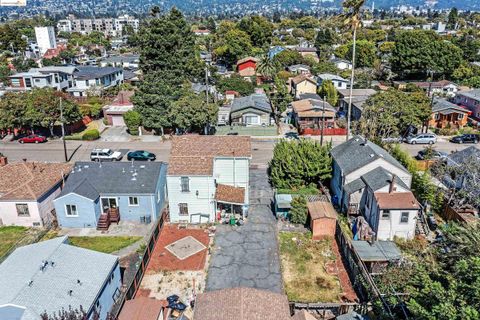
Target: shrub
{"type": "Point", "coordinates": [298, 212]}
{"type": "Point", "coordinates": [91, 135]}
{"type": "Point", "coordinates": [133, 120]}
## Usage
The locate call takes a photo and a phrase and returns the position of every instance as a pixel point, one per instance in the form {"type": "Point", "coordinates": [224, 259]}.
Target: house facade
{"type": "Point", "coordinates": [303, 84]}
{"type": "Point", "coordinates": [97, 194]}
{"type": "Point", "coordinates": [359, 97]}
{"type": "Point", "coordinates": [27, 192]}
{"type": "Point", "coordinates": [58, 78]}
{"type": "Point", "coordinates": [253, 110]}
{"type": "Point", "coordinates": [208, 176]}
{"type": "Point", "coordinates": [120, 105]}
{"type": "Point", "coordinates": [247, 67]}
{"type": "Point", "coordinates": [52, 275]}
{"type": "Point", "coordinates": [447, 114]}
{"type": "Point", "coordinates": [470, 100]}
{"type": "Point", "coordinates": [88, 77]}
{"type": "Point", "coordinates": [337, 81]}
{"type": "Point", "coordinates": [313, 114]}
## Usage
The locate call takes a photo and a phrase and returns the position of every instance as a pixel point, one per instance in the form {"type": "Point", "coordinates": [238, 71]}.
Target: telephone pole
{"type": "Point", "coordinates": [63, 131]}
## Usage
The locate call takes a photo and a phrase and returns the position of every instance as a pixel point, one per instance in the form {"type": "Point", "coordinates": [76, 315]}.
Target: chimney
{"type": "Point", "coordinates": [392, 184]}
{"type": "Point", "coordinates": [3, 160]}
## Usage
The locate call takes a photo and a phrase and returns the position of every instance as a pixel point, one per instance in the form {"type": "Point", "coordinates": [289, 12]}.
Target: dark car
{"type": "Point", "coordinates": [33, 138]}
{"type": "Point", "coordinates": [431, 155]}
{"type": "Point", "coordinates": [466, 138]}
{"type": "Point", "coordinates": [141, 155]}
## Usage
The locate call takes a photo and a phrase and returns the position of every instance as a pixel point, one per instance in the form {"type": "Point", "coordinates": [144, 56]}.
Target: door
{"type": "Point", "coordinates": [108, 203]}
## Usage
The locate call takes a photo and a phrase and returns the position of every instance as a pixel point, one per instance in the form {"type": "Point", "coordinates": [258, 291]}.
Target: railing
{"type": "Point", "coordinates": [336, 308]}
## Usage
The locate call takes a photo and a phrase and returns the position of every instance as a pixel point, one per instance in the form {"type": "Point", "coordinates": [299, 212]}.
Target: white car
{"type": "Point", "coordinates": [105, 155]}
{"type": "Point", "coordinates": [423, 138]}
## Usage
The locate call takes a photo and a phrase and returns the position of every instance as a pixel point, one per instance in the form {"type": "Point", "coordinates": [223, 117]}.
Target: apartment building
{"type": "Point", "coordinates": [112, 27]}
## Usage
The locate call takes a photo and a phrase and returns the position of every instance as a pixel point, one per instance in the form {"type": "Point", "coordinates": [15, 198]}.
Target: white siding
{"type": "Point", "coordinates": [9, 216]}
{"type": "Point", "coordinates": [225, 172]}
{"type": "Point", "coordinates": [389, 228]}
{"type": "Point", "coordinates": [405, 176]}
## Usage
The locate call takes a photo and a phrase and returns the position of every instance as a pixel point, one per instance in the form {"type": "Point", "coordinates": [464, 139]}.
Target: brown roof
{"type": "Point", "coordinates": [302, 77]}
{"type": "Point", "coordinates": [230, 194]}
{"type": "Point", "coordinates": [305, 109]}
{"type": "Point", "coordinates": [247, 59]}
{"type": "Point", "coordinates": [193, 154]}
{"type": "Point", "coordinates": [30, 180]}
{"type": "Point", "coordinates": [142, 308]}
{"type": "Point", "coordinates": [303, 315]}
{"type": "Point", "coordinates": [241, 304]}
{"type": "Point", "coordinates": [321, 209]}
{"type": "Point", "coordinates": [396, 200]}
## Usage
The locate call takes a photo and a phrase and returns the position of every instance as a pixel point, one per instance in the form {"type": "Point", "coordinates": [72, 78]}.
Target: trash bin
{"type": "Point", "coordinates": [148, 219]}
{"type": "Point", "coordinates": [142, 219]}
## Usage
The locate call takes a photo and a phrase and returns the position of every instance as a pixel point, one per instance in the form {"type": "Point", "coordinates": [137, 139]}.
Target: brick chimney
{"type": "Point", "coordinates": [392, 184]}
{"type": "Point", "coordinates": [3, 160]}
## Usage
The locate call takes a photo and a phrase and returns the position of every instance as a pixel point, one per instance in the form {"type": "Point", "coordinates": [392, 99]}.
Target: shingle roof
{"type": "Point", "coordinates": [230, 194]}
{"type": "Point", "coordinates": [313, 108]}
{"type": "Point", "coordinates": [247, 59]}
{"type": "Point", "coordinates": [353, 186]}
{"type": "Point", "coordinates": [329, 76]}
{"type": "Point", "coordinates": [461, 156]}
{"type": "Point", "coordinates": [303, 315]}
{"type": "Point", "coordinates": [194, 154]}
{"type": "Point", "coordinates": [356, 153]}
{"type": "Point", "coordinates": [302, 77]}
{"type": "Point", "coordinates": [474, 94]}
{"type": "Point", "coordinates": [440, 105]}
{"type": "Point", "coordinates": [379, 178]}
{"type": "Point", "coordinates": [142, 308]}
{"type": "Point", "coordinates": [396, 200]}
{"type": "Point", "coordinates": [91, 179]}
{"type": "Point", "coordinates": [48, 290]}
{"type": "Point", "coordinates": [122, 58]}
{"type": "Point", "coordinates": [321, 209]}
{"type": "Point", "coordinates": [356, 92]}
{"type": "Point", "coordinates": [30, 180]}
{"type": "Point", "coordinates": [377, 251]}
{"type": "Point", "coordinates": [256, 101]}
{"type": "Point", "coordinates": [241, 304]}
{"type": "Point", "coordinates": [89, 72]}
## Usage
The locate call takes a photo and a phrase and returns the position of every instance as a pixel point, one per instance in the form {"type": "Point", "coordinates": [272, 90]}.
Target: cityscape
{"type": "Point", "coordinates": [233, 160]}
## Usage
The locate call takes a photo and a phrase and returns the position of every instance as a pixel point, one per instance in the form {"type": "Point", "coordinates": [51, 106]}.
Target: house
{"type": "Point", "coordinates": [247, 67]}
{"type": "Point", "coordinates": [52, 275]}
{"type": "Point", "coordinates": [88, 77]}
{"type": "Point", "coordinates": [342, 64]}
{"type": "Point", "coordinates": [252, 110]}
{"type": "Point", "coordinates": [310, 52]}
{"type": "Point", "coordinates": [99, 193]}
{"type": "Point", "coordinates": [274, 51]}
{"type": "Point", "coordinates": [27, 190]}
{"type": "Point", "coordinates": [122, 61]}
{"type": "Point", "coordinates": [54, 52]}
{"type": "Point", "coordinates": [312, 114]}
{"type": "Point", "coordinates": [359, 97]}
{"type": "Point", "coordinates": [303, 84]}
{"type": "Point", "coordinates": [241, 304]}
{"type": "Point", "coordinates": [201, 32]}
{"type": "Point", "coordinates": [208, 176]}
{"type": "Point", "coordinates": [338, 82]}
{"type": "Point", "coordinates": [377, 255]}
{"type": "Point", "coordinates": [58, 78]}
{"type": "Point", "coordinates": [231, 94]}
{"type": "Point", "coordinates": [352, 160]}
{"type": "Point", "coordinates": [323, 219]}
{"type": "Point", "coordinates": [223, 115]}
{"type": "Point", "coordinates": [447, 114]}
{"type": "Point", "coordinates": [470, 100]}
{"type": "Point", "coordinates": [299, 69]}
{"type": "Point", "coordinates": [441, 87]}
{"type": "Point", "coordinates": [114, 112]}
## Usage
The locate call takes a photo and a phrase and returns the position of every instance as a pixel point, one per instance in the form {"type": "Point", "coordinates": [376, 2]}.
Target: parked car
{"type": "Point", "coordinates": [423, 138]}
{"type": "Point", "coordinates": [291, 135]}
{"type": "Point", "coordinates": [431, 155]}
{"type": "Point", "coordinates": [105, 155]}
{"type": "Point", "coordinates": [466, 138]}
{"type": "Point", "coordinates": [33, 138]}
{"type": "Point", "coordinates": [141, 155]}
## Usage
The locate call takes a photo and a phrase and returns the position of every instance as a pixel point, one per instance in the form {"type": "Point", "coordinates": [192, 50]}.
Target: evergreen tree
{"type": "Point", "coordinates": [327, 90]}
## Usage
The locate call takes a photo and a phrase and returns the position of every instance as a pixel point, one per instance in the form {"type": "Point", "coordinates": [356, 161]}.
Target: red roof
{"type": "Point", "coordinates": [396, 200]}
{"type": "Point", "coordinates": [142, 308]}
{"type": "Point", "coordinates": [52, 53]}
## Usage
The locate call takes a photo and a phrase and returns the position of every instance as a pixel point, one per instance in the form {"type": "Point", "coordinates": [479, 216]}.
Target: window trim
{"type": "Point", "coordinates": [185, 205]}
{"type": "Point", "coordinates": [182, 185]}
{"type": "Point", "coordinates": [70, 215]}
{"type": "Point", "coordinates": [130, 204]}
{"type": "Point", "coordinates": [18, 212]}
{"type": "Point", "coordinates": [401, 217]}
{"type": "Point", "coordinates": [385, 215]}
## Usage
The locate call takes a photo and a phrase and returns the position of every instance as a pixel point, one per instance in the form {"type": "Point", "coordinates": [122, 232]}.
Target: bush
{"type": "Point", "coordinates": [133, 120]}
{"type": "Point", "coordinates": [298, 212]}
{"type": "Point", "coordinates": [91, 135]}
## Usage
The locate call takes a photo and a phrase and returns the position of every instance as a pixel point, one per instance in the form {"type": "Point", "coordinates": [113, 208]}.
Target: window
{"type": "Point", "coordinates": [404, 217]}
{"type": "Point", "coordinates": [385, 214]}
{"type": "Point", "coordinates": [183, 209]}
{"type": "Point", "coordinates": [28, 82]}
{"type": "Point", "coordinates": [437, 116]}
{"type": "Point", "coordinates": [71, 210]}
{"type": "Point", "coordinates": [133, 201]}
{"type": "Point", "coordinates": [460, 116]}
{"type": "Point", "coordinates": [22, 210]}
{"type": "Point", "coordinates": [185, 184]}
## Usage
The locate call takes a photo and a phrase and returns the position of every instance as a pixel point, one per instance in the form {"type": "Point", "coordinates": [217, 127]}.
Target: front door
{"type": "Point", "coordinates": [108, 203]}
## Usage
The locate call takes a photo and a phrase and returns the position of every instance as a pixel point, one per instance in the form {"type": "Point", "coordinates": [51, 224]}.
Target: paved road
{"type": "Point", "coordinates": [248, 255]}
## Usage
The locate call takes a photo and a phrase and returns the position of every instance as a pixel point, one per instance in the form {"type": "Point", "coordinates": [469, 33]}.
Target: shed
{"type": "Point", "coordinates": [377, 255]}
{"type": "Point", "coordinates": [283, 205]}
{"type": "Point", "coordinates": [323, 219]}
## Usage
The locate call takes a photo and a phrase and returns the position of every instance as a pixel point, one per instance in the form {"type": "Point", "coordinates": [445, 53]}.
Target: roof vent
{"type": "Point", "coordinates": [79, 282]}
{"type": "Point", "coordinates": [30, 283]}
{"type": "Point", "coordinates": [70, 292]}
{"type": "Point", "coordinates": [142, 166]}
{"type": "Point", "coordinates": [86, 166]}
{"type": "Point", "coordinates": [372, 155]}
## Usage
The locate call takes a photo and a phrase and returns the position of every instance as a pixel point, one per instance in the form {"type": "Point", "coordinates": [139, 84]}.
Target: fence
{"type": "Point", "coordinates": [134, 284]}
{"type": "Point", "coordinates": [322, 309]}
{"type": "Point", "coordinates": [326, 132]}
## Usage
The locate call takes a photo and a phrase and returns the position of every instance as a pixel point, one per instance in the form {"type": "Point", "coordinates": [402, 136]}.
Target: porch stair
{"type": "Point", "coordinates": [114, 215]}
{"type": "Point", "coordinates": [103, 222]}
{"type": "Point", "coordinates": [421, 225]}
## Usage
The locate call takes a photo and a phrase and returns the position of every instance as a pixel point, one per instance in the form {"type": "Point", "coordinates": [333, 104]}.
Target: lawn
{"type": "Point", "coordinates": [103, 244]}
{"type": "Point", "coordinates": [304, 268]}
{"type": "Point", "coordinates": [9, 236]}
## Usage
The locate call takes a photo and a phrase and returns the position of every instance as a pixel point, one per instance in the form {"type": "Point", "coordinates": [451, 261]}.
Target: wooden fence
{"type": "Point", "coordinates": [323, 309]}
{"type": "Point", "coordinates": [326, 132]}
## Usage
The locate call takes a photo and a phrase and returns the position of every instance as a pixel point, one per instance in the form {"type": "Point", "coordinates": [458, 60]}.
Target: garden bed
{"type": "Point", "coordinates": [103, 244]}
{"type": "Point", "coordinates": [306, 268]}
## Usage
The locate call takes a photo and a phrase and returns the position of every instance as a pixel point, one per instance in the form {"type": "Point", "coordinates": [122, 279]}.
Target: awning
{"type": "Point", "coordinates": [230, 194]}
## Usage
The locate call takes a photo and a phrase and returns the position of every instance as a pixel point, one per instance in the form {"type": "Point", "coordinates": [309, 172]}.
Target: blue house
{"type": "Point", "coordinates": [97, 194]}
{"type": "Point", "coordinates": [53, 275]}
{"type": "Point", "coordinates": [274, 51]}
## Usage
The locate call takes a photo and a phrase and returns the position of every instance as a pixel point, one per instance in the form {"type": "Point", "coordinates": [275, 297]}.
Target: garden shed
{"type": "Point", "coordinates": [378, 254]}
{"type": "Point", "coordinates": [323, 219]}
{"type": "Point", "coordinates": [282, 205]}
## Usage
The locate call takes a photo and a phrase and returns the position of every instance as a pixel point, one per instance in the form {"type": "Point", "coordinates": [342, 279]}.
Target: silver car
{"type": "Point", "coordinates": [423, 138]}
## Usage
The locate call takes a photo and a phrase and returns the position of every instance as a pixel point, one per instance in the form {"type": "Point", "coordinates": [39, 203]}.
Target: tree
{"type": "Point", "coordinates": [327, 90]}
{"type": "Point", "coordinates": [288, 57]}
{"type": "Point", "coordinates": [452, 18]}
{"type": "Point", "coordinates": [299, 164]}
{"type": "Point", "coordinates": [133, 121]}
{"type": "Point", "coordinates": [365, 53]}
{"type": "Point", "coordinates": [267, 67]}
{"type": "Point", "coordinates": [234, 45]}
{"type": "Point", "coordinates": [5, 72]}
{"type": "Point", "coordinates": [324, 42]}
{"type": "Point", "coordinates": [23, 65]}
{"type": "Point", "coordinates": [12, 111]}
{"type": "Point", "coordinates": [191, 113]}
{"type": "Point", "coordinates": [259, 30]}
{"type": "Point", "coordinates": [236, 83]}
{"type": "Point", "coordinates": [352, 18]}
{"type": "Point", "coordinates": [279, 98]}
{"type": "Point", "coordinates": [299, 211]}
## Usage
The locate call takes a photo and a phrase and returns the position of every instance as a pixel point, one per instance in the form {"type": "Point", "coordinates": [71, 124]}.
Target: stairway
{"type": "Point", "coordinates": [103, 222]}
{"type": "Point", "coordinates": [114, 215]}
{"type": "Point", "coordinates": [421, 225]}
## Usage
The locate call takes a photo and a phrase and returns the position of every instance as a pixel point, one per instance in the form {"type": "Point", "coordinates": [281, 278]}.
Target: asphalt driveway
{"type": "Point", "coordinates": [247, 256]}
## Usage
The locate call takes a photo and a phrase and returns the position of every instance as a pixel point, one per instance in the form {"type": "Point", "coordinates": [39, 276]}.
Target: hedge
{"type": "Point", "coordinates": [91, 135]}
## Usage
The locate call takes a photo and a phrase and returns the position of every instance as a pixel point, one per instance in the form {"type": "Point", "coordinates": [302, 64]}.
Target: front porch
{"type": "Point", "coordinates": [230, 201]}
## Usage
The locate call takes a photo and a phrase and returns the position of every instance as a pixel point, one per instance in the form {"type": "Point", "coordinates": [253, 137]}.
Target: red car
{"type": "Point", "coordinates": [33, 138]}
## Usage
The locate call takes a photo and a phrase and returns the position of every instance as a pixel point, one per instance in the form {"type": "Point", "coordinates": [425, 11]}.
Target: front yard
{"type": "Point", "coordinates": [304, 267]}
{"type": "Point", "coordinates": [103, 244]}
{"type": "Point", "coordinates": [9, 236]}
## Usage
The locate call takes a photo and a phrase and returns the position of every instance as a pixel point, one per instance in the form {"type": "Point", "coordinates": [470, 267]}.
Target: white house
{"type": "Point", "coordinates": [367, 180]}
{"type": "Point", "coordinates": [87, 77]}
{"type": "Point", "coordinates": [45, 38]}
{"type": "Point", "coordinates": [208, 176]}
{"type": "Point", "coordinates": [27, 192]}
{"type": "Point", "coordinates": [338, 82]}
{"type": "Point", "coordinates": [56, 77]}
{"type": "Point", "coordinates": [342, 64]}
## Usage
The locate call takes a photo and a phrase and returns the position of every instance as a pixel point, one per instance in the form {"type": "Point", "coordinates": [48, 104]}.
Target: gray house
{"type": "Point", "coordinates": [253, 110]}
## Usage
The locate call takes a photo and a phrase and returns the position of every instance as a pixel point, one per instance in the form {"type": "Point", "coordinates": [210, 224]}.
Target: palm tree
{"type": "Point", "coordinates": [352, 19]}
{"type": "Point", "coordinates": [267, 67]}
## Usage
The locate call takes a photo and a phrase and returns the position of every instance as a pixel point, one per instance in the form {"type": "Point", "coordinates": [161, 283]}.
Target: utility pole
{"type": "Point", "coordinates": [323, 120]}
{"type": "Point", "coordinates": [63, 131]}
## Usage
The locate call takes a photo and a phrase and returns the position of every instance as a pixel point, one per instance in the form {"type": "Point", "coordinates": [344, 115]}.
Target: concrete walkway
{"type": "Point", "coordinates": [248, 255]}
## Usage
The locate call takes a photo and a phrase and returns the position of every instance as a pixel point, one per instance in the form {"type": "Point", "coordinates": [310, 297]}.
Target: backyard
{"type": "Point", "coordinates": [103, 244]}
{"type": "Point", "coordinates": [9, 236]}
{"type": "Point", "coordinates": [306, 268]}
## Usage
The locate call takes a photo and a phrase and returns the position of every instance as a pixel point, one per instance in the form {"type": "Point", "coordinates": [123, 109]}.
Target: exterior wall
{"type": "Point", "coordinates": [472, 104]}
{"type": "Point", "coordinates": [445, 120]}
{"type": "Point", "coordinates": [247, 69]}
{"type": "Point", "coordinates": [323, 228]}
{"type": "Point", "coordinates": [106, 297]}
{"type": "Point", "coordinates": [9, 216]}
{"type": "Point", "coordinates": [239, 116]}
{"type": "Point", "coordinates": [336, 181]}
{"type": "Point", "coordinates": [46, 206]}
{"type": "Point", "coordinates": [160, 196]}
{"type": "Point", "coordinates": [204, 203]}
{"type": "Point", "coordinates": [234, 172]}
{"type": "Point", "coordinates": [88, 211]}
{"type": "Point", "coordinates": [305, 87]}
{"type": "Point", "coordinates": [145, 207]}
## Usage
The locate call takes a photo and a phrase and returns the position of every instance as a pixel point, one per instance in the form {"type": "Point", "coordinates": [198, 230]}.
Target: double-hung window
{"type": "Point", "coordinates": [183, 209]}
{"type": "Point", "coordinates": [133, 201]}
{"type": "Point", "coordinates": [404, 217]}
{"type": "Point", "coordinates": [71, 210]}
{"type": "Point", "coordinates": [22, 210]}
{"type": "Point", "coordinates": [185, 184]}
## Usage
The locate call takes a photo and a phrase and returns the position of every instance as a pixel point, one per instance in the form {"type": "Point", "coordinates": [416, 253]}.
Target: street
{"type": "Point", "coordinates": [262, 149]}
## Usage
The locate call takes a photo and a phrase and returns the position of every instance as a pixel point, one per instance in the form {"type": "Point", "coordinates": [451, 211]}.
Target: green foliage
{"type": "Point", "coordinates": [326, 37]}
{"type": "Point", "coordinates": [298, 212]}
{"type": "Point", "coordinates": [288, 57]}
{"type": "Point", "coordinates": [232, 46]}
{"type": "Point", "coordinates": [365, 53]}
{"type": "Point", "coordinates": [296, 164]}
{"type": "Point", "coordinates": [258, 28]}
{"type": "Point", "coordinates": [327, 90]}
{"type": "Point", "coordinates": [452, 18]}
{"type": "Point", "coordinates": [133, 120]}
{"type": "Point", "coordinates": [267, 67]}
{"type": "Point", "coordinates": [91, 135]}
{"type": "Point", "coordinates": [236, 83]}
{"type": "Point", "coordinates": [23, 65]}
{"type": "Point", "coordinates": [5, 72]}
